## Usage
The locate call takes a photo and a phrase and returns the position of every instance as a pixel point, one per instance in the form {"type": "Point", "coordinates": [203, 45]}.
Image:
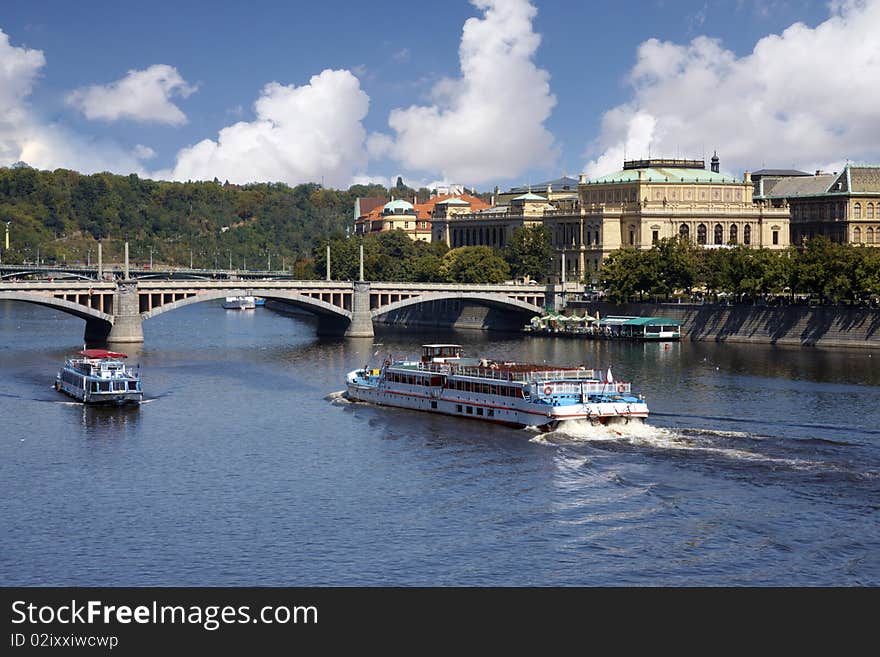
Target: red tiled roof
{"type": "Point", "coordinates": [370, 203]}
{"type": "Point", "coordinates": [426, 210]}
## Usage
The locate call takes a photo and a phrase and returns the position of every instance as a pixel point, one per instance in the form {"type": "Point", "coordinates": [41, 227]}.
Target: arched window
{"type": "Point", "coordinates": [701, 234]}
{"type": "Point", "coordinates": [870, 237]}
{"type": "Point", "coordinates": [719, 234]}
{"type": "Point", "coordinates": [857, 211]}
{"type": "Point", "coordinates": [857, 233]}
{"type": "Point", "coordinates": [747, 235]}
{"type": "Point", "coordinates": [870, 213]}
{"type": "Point", "coordinates": [733, 234]}
{"type": "Point", "coordinates": [684, 231]}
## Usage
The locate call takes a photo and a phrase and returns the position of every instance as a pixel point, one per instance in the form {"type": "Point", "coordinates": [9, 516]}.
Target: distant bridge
{"type": "Point", "coordinates": [114, 311]}
{"type": "Point", "coordinates": [115, 271]}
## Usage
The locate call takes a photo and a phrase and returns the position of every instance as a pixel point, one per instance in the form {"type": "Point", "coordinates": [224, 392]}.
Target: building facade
{"type": "Point", "coordinates": [646, 201]}
{"type": "Point", "coordinates": [844, 207]}
{"type": "Point", "coordinates": [414, 218]}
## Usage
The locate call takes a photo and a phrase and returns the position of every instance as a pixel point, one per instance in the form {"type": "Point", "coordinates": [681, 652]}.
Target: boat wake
{"type": "Point", "coordinates": [339, 397]}
{"type": "Point", "coordinates": [585, 431]}
{"type": "Point", "coordinates": [708, 442]}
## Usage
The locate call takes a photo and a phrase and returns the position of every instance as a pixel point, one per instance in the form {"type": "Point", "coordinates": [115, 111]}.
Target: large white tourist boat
{"type": "Point", "coordinates": [515, 394]}
{"type": "Point", "coordinates": [98, 376]}
{"type": "Point", "coordinates": [240, 303]}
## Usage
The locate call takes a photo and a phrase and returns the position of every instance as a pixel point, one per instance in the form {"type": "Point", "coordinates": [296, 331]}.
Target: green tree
{"type": "Point", "coordinates": [474, 264]}
{"type": "Point", "coordinates": [528, 253]}
{"type": "Point", "coordinates": [677, 266]}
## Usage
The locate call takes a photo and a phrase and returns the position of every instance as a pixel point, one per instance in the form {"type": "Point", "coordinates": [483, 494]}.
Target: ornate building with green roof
{"type": "Point", "coordinates": [646, 201]}
{"type": "Point", "coordinates": [844, 207]}
{"type": "Point", "coordinates": [649, 200]}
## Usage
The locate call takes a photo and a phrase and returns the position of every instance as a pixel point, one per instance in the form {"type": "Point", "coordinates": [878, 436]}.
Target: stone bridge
{"type": "Point", "coordinates": [115, 311]}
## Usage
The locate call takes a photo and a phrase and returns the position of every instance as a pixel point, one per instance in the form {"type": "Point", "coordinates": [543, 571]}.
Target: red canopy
{"type": "Point", "coordinates": [101, 353]}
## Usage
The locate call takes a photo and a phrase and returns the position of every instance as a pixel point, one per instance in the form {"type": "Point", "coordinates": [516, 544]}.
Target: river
{"type": "Point", "coordinates": [244, 466]}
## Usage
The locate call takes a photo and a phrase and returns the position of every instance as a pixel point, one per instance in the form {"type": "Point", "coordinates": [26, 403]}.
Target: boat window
{"type": "Point", "coordinates": [458, 408]}
{"type": "Point", "coordinates": [470, 410]}
{"type": "Point", "coordinates": [433, 404]}
{"type": "Point", "coordinates": [491, 412]}
{"type": "Point", "coordinates": [479, 411]}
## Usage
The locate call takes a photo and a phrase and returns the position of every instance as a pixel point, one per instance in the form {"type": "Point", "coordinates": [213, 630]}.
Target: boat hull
{"type": "Point", "coordinates": [486, 409]}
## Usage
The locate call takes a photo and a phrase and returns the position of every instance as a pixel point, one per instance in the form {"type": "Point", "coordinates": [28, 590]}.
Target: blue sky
{"type": "Point", "coordinates": [566, 87]}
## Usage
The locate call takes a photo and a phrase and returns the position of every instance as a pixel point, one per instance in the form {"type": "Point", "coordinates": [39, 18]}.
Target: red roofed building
{"type": "Point", "coordinates": [412, 218]}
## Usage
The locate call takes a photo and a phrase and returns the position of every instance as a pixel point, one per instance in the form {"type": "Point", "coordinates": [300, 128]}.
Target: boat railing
{"type": "Point", "coordinates": [502, 373]}
{"type": "Point", "coordinates": [550, 388]}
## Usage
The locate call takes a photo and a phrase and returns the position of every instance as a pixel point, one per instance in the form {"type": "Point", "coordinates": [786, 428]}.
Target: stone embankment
{"type": "Point", "coordinates": [822, 326]}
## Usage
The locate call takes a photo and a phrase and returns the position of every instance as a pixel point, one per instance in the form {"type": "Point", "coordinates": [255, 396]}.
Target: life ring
{"type": "Point", "coordinates": [621, 388]}
{"type": "Point", "coordinates": [548, 390]}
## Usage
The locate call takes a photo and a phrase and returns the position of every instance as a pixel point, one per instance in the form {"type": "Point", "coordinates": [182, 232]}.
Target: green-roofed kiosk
{"type": "Point", "coordinates": [640, 328]}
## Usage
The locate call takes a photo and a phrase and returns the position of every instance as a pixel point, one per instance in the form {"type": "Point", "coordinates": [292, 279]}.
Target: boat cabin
{"type": "Point", "coordinates": [641, 328]}
{"type": "Point", "coordinates": [440, 353]}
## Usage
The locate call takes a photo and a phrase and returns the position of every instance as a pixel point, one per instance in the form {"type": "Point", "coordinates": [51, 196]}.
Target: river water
{"type": "Point", "coordinates": [759, 466]}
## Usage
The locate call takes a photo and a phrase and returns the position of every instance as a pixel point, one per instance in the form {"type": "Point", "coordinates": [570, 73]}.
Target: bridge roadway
{"type": "Point", "coordinates": [114, 311]}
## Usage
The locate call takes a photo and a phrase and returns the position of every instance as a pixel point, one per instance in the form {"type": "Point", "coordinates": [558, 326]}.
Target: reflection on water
{"type": "Point", "coordinates": [109, 420]}
{"type": "Point", "coordinates": [759, 465]}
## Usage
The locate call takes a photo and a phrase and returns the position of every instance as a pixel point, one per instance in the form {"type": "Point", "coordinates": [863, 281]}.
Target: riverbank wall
{"type": "Point", "coordinates": [820, 326]}
{"type": "Point", "coordinates": [454, 314]}
{"type": "Point", "coordinates": [442, 314]}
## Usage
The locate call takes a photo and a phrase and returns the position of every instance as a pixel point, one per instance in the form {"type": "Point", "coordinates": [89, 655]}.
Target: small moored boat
{"type": "Point", "coordinates": [239, 303]}
{"type": "Point", "coordinates": [515, 394]}
{"type": "Point", "coordinates": [98, 376]}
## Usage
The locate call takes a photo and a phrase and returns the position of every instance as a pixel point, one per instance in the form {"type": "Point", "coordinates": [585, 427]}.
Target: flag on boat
{"type": "Point", "coordinates": [608, 377]}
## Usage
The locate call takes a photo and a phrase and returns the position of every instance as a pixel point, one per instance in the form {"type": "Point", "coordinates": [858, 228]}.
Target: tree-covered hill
{"type": "Point", "coordinates": [63, 213]}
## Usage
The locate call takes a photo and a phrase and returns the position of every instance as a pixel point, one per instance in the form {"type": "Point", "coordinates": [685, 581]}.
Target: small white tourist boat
{"type": "Point", "coordinates": [240, 303]}
{"type": "Point", "coordinates": [98, 376]}
{"type": "Point", "coordinates": [515, 394]}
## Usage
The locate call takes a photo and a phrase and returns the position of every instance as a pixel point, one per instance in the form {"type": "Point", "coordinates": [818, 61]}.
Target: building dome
{"type": "Point", "coordinates": [398, 206]}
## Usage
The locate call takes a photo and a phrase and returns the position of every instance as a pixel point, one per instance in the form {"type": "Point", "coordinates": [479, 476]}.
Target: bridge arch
{"type": "Point", "coordinates": [70, 307]}
{"type": "Point", "coordinates": [493, 300]}
{"type": "Point", "coordinates": [316, 306]}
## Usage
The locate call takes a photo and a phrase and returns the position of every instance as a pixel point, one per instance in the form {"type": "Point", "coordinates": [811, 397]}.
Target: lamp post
{"type": "Point", "coordinates": [151, 258]}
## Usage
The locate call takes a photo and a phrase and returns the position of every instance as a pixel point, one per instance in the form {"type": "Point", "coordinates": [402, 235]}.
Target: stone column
{"type": "Point", "coordinates": [127, 323]}
{"type": "Point", "coordinates": [361, 319]}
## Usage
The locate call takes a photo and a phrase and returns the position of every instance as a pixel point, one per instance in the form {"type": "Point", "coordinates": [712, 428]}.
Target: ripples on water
{"type": "Point", "coordinates": [246, 466]}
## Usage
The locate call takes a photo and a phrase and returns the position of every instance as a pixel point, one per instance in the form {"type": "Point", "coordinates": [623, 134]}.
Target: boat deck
{"type": "Point", "coordinates": [506, 371]}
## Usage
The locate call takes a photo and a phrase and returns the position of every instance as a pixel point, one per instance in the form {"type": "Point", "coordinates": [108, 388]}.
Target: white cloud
{"type": "Point", "coordinates": [489, 123]}
{"type": "Point", "coordinates": [139, 96]}
{"type": "Point", "coordinates": [19, 68]}
{"type": "Point", "coordinates": [806, 97]}
{"type": "Point", "coordinates": [391, 181]}
{"type": "Point", "coordinates": [45, 146]}
{"type": "Point", "coordinates": [142, 152]}
{"type": "Point", "coordinates": [300, 134]}
{"type": "Point", "coordinates": [51, 147]}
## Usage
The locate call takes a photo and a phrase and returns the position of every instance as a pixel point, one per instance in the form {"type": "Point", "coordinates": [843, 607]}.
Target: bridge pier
{"type": "Point", "coordinates": [127, 326]}
{"type": "Point", "coordinates": [361, 318]}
